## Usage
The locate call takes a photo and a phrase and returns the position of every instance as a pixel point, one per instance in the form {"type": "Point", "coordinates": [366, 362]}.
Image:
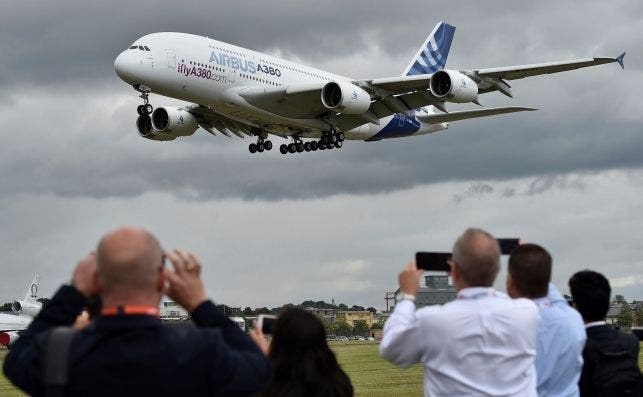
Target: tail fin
{"type": "Point", "coordinates": [432, 56]}
{"type": "Point", "coordinates": [32, 292]}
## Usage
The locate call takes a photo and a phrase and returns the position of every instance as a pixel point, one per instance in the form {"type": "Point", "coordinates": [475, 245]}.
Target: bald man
{"type": "Point", "coordinates": [481, 344]}
{"type": "Point", "coordinates": [127, 350]}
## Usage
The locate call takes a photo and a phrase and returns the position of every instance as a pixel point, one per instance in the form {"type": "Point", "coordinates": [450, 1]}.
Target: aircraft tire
{"type": "Point", "coordinates": [252, 148]}
{"type": "Point", "coordinates": [322, 146]}
{"type": "Point", "coordinates": [338, 144]}
{"type": "Point", "coordinates": [260, 147]}
{"type": "Point", "coordinates": [292, 148]}
{"type": "Point", "coordinates": [313, 145]}
{"type": "Point", "coordinates": [267, 145]}
{"type": "Point", "coordinates": [148, 108]}
{"type": "Point", "coordinates": [340, 137]}
{"type": "Point", "coordinates": [283, 148]}
{"type": "Point", "coordinates": [307, 147]}
{"type": "Point", "coordinates": [140, 109]}
{"type": "Point", "coordinates": [300, 147]}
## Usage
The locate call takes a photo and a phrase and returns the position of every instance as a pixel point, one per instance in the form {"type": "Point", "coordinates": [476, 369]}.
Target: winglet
{"type": "Point", "coordinates": [619, 59]}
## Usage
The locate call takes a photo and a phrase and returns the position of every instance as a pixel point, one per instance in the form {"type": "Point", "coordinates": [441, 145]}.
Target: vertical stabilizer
{"type": "Point", "coordinates": [432, 56]}
{"type": "Point", "coordinates": [32, 292]}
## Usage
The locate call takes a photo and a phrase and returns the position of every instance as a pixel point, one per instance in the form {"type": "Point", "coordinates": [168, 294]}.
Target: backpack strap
{"type": "Point", "coordinates": [57, 357]}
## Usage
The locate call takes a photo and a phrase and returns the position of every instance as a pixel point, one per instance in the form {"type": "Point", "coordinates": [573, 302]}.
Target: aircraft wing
{"type": "Point", "coordinates": [436, 118]}
{"type": "Point", "coordinates": [212, 121]}
{"type": "Point", "coordinates": [518, 72]}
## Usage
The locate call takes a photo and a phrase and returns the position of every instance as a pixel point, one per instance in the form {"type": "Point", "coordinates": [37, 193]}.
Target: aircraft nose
{"type": "Point", "coordinates": [125, 66]}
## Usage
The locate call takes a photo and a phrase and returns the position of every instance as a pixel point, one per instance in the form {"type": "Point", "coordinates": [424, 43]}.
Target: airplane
{"type": "Point", "coordinates": [234, 90]}
{"type": "Point", "coordinates": [24, 312]}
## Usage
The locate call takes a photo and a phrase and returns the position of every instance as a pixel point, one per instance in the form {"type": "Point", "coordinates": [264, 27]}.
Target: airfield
{"type": "Point", "coordinates": [371, 376]}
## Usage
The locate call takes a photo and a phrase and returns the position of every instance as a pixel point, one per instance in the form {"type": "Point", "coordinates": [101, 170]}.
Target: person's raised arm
{"type": "Point", "coordinates": [401, 343]}
{"type": "Point", "coordinates": [245, 365]}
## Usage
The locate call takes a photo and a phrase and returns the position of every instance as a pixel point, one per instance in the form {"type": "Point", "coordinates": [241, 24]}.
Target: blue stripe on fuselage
{"type": "Point", "coordinates": [399, 126]}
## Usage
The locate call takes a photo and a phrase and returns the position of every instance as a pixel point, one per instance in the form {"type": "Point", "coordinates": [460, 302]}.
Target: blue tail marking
{"type": "Point", "coordinates": [433, 55]}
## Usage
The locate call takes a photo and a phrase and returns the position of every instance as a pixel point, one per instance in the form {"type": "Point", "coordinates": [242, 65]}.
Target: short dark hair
{"type": "Point", "coordinates": [530, 270]}
{"type": "Point", "coordinates": [591, 294]}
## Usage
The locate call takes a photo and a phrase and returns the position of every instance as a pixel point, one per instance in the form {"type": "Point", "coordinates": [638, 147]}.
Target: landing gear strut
{"type": "Point", "coordinates": [145, 108]}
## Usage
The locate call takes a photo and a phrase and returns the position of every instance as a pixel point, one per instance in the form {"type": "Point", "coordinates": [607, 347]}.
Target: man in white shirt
{"type": "Point", "coordinates": [483, 343]}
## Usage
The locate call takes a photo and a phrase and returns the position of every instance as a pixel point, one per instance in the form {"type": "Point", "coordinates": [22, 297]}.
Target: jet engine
{"type": "Point", "coordinates": [26, 308]}
{"type": "Point", "coordinates": [145, 129]}
{"type": "Point", "coordinates": [345, 97]}
{"type": "Point", "coordinates": [453, 86]}
{"type": "Point", "coordinates": [174, 121]}
{"type": "Point", "coordinates": [7, 338]}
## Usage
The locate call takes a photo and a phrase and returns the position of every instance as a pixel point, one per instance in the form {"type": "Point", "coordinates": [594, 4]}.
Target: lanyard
{"type": "Point", "coordinates": [130, 310]}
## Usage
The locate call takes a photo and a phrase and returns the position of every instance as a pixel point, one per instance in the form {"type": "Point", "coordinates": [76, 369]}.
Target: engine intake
{"type": "Point", "coordinates": [345, 97]}
{"type": "Point", "coordinates": [26, 308]}
{"type": "Point", "coordinates": [174, 121]}
{"type": "Point", "coordinates": [453, 86]}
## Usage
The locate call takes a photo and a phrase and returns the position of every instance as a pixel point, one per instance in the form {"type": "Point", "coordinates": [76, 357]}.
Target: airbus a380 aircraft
{"type": "Point", "coordinates": [244, 92]}
{"type": "Point", "coordinates": [23, 313]}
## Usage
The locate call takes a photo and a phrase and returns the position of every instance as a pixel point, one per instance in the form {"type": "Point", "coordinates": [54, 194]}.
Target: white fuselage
{"type": "Point", "coordinates": [207, 72]}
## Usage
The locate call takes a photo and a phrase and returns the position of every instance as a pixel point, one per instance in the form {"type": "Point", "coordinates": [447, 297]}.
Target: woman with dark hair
{"type": "Point", "coordinates": [303, 363]}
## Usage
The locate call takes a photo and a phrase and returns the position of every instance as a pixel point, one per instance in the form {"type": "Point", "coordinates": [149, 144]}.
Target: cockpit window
{"type": "Point", "coordinates": [133, 47]}
{"type": "Point", "coordinates": [141, 47]}
{"type": "Point", "coordinates": [146, 48]}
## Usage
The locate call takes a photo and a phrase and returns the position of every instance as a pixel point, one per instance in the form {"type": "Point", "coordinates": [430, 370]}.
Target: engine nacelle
{"type": "Point", "coordinates": [9, 337]}
{"type": "Point", "coordinates": [345, 97]}
{"type": "Point", "coordinates": [174, 121]}
{"type": "Point", "coordinates": [26, 308]}
{"type": "Point", "coordinates": [145, 129]}
{"type": "Point", "coordinates": [453, 86]}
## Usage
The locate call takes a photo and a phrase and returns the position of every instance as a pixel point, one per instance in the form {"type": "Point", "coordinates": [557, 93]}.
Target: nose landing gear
{"type": "Point", "coordinates": [146, 108]}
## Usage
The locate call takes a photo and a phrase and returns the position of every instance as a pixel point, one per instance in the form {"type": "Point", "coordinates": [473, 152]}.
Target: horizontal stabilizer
{"type": "Point", "coordinates": [470, 114]}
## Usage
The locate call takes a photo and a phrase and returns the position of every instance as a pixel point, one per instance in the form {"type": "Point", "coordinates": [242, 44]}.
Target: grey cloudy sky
{"type": "Point", "coordinates": [327, 224]}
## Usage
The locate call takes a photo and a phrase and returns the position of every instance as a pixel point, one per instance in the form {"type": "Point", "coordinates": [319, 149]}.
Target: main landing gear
{"type": "Point", "coordinates": [328, 140]}
{"type": "Point", "coordinates": [146, 108]}
{"type": "Point", "coordinates": [260, 146]}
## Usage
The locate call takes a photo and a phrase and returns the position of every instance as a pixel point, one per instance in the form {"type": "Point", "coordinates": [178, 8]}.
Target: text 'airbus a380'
{"type": "Point", "coordinates": [247, 93]}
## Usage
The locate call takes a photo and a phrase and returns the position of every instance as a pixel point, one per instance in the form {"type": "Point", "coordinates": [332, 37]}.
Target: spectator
{"type": "Point", "coordinates": [611, 356]}
{"type": "Point", "coordinates": [127, 350]}
{"type": "Point", "coordinates": [561, 333]}
{"type": "Point", "coordinates": [483, 343]}
{"type": "Point", "coordinates": [303, 363]}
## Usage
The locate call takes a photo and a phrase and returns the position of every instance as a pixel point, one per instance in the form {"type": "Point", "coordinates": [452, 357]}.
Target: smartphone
{"type": "Point", "coordinates": [434, 261]}
{"type": "Point", "coordinates": [266, 323]}
{"type": "Point", "coordinates": [507, 245]}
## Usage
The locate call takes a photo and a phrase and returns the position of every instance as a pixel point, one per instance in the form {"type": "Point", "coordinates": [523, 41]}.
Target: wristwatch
{"type": "Point", "coordinates": [400, 296]}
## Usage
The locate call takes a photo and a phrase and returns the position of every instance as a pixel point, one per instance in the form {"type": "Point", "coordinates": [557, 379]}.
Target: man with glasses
{"type": "Point", "coordinates": [126, 350]}
{"type": "Point", "coordinates": [482, 343]}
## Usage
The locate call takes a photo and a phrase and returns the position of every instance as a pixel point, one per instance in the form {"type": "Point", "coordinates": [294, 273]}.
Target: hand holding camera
{"type": "Point", "coordinates": [184, 284]}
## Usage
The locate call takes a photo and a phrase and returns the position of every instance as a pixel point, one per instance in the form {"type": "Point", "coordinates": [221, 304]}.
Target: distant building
{"type": "Point", "coordinates": [329, 315]}
{"type": "Point", "coordinates": [350, 316]}
{"type": "Point", "coordinates": [436, 291]}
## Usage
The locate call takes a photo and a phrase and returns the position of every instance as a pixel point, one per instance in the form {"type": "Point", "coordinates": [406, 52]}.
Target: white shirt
{"type": "Point", "coordinates": [481, 344]}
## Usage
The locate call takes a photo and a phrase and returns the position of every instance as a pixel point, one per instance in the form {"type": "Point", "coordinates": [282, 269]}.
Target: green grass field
{"type": "Point", "coordinates": [371, 376]}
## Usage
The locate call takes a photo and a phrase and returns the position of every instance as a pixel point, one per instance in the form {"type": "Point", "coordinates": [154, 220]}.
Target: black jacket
{"type": "Point", "coordinates": [599, 333]}
{"type": "Point", "coordinates": [138, 355]}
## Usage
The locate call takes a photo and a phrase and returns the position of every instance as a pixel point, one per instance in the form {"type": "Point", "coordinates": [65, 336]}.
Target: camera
{"type": "Point", "coordinates": [439, 261]}
{"type": "Point", "coordinates": [266, 323]}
